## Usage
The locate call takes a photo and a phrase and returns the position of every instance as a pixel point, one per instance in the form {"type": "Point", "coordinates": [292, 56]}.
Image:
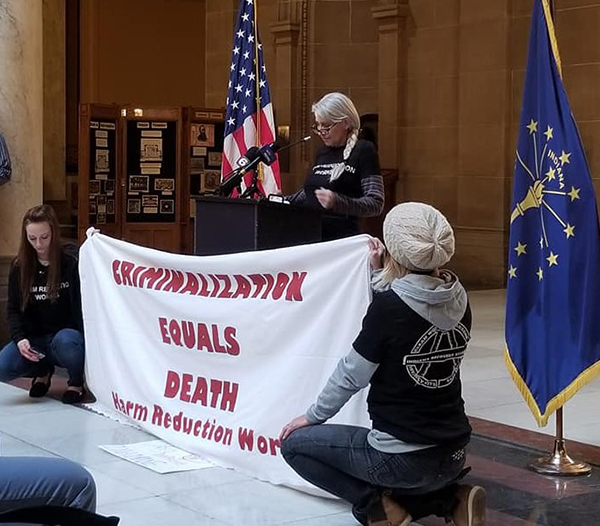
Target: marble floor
{"type": "Point", "coordinates": [506, 440]}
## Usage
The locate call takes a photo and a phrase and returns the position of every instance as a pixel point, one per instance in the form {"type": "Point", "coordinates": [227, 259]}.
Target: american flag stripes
{"type": "Point", "coordinates": [244, 125]}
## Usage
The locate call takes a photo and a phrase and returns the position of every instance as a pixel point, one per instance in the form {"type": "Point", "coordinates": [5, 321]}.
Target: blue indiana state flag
{"type": "Point", "coordinates": [553, 291]}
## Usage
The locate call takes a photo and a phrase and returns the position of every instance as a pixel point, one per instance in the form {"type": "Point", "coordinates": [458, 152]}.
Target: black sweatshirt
{"type": "Point", "coordinates": [359, 188]}
{"type": "Point", "coordinates": [41, 316]}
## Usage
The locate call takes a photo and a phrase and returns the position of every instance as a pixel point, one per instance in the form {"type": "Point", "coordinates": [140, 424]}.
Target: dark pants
{"type": "Point", "coordinates": [339, 459]}
{"type": "Point", "coordinates": [37, 481]}
{"type": "Point", "coordinates": [64, 349]}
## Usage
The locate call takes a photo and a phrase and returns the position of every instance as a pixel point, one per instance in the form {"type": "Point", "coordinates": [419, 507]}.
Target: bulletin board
{"type": "Point", "coordinates": [102, 172]}
{"type": "Point", "coordinates": [206, 130]}
{"type": "Point", "coordinates": [151, 182]}
{"type": "Point", "coordinates": [99, 161]}
{"type": "Point", "coordinates": [139, 166]}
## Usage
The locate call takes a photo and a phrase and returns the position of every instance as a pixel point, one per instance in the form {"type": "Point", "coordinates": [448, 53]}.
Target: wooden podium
{"type": "Point", "coordinates": [226, 226]}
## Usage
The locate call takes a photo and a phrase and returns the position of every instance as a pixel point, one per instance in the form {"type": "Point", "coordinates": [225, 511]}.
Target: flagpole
{"type": "Point", "coordinates": [257, 68]}
{"type": "Point", "coordinates": [559, 462]}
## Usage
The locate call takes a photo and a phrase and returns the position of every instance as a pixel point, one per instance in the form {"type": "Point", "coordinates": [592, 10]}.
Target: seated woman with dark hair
{"type": "Point", "coordinates": [44, 310]}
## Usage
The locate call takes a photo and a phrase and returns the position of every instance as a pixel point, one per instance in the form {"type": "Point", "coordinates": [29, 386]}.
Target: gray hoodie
{"type": "Point", "coordinates": [441, 301]}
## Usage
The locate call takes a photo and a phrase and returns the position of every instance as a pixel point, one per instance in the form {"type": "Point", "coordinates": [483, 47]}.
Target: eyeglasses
{"type": "Point", "coordinates": [323, 130]}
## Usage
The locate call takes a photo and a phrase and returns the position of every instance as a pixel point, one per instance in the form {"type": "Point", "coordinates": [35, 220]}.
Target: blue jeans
{"type": "Point", "coordinates": [339, 459]}
{"type": "Point", "coordinates": [39, 481]}
{"type": "Point", "coordinates": [64, 349]}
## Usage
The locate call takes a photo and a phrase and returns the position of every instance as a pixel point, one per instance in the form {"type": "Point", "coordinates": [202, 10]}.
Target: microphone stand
{"type": "Point", "coordinates": [252, 191]}
{"type": "Point", "coordinates": [220, 190]}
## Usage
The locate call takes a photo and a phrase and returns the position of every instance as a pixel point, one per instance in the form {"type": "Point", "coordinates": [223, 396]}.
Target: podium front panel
{"type": "Point", "coordinates": [228, 226]}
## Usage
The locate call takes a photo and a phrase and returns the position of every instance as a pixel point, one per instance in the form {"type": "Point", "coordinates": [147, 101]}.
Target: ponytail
{"type": "Point", "coordinates": [350, 143]}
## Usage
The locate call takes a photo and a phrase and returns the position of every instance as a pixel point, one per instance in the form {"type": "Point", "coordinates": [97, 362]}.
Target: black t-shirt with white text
{"type": "Point", "coordinates": [415, 392]}
{"type": "Point", "coordinates": [43, 317]}
{"type": "Point", "coordinates": [362, 162]}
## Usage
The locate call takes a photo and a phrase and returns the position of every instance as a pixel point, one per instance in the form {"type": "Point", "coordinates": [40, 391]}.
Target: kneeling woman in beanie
{"type": "Point", "coordinates": [409, 350]}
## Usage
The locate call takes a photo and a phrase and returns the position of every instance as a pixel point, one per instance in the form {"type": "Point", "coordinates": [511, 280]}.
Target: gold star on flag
{"type": "Point", "coordinates": [569, 230]}
{"type": "Point", "coordinates": [520, 248]}
{"type": "Point", "coordinates": [574, 193]}
{"type": "Point", "coordinates": [540, 273]}
{"type": "Point", "coordinates": [552, 259]}
{"type": "Point", "coordinates": [532, 126]}
{"type": "Point", "coordinates": [551, 174]}
{"type": "Point", "coordinates": [512, 272]}
{"type": "Point", "coordinates": [564, 157]}
{"type": "Point", "coordinates": [548, 133]}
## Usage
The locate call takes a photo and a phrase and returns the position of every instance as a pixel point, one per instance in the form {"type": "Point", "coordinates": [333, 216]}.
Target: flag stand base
{"type": "Point", "coordinates": [560, 463]}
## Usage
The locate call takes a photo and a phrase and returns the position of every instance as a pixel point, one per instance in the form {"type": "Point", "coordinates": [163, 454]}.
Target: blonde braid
{"type": "Point", "coordinates": [350, 143]}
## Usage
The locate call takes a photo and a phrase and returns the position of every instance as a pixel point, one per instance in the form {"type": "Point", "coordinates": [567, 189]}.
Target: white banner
{"type": "Point", "coordinates": [215, 354]}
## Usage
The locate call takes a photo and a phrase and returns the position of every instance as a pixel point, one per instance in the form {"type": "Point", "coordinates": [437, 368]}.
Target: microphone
{"type": "Point", "coordinates": [248, 157]}
{"type": "Point", "coordinates": [304, 139]}
{"type": "Point", "coordinates": [265, 154]}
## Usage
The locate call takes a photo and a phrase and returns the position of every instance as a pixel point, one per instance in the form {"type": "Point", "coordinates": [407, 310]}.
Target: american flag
{"type": "Point", "coordinates": [244, 126]}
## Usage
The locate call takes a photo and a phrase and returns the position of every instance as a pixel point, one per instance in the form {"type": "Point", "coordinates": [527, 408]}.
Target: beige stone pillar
{"type": "Point", "coordinates": [287, 92]}
{"type": "Point", "coordinates": [391, 18]}
{"type": "Point", "coordinates": [54, 16]}
{"type": "Point", "coordinates": [21, 113]}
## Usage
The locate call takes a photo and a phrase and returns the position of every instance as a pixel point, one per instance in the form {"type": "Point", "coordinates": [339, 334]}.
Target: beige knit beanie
{"type": "Point", "coordinates": [418, 236]}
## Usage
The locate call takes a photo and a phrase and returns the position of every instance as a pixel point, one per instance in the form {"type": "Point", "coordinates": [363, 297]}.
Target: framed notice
{"type": "Point", "coordinates": [167, 206]}
{"type": "Point", "coordinates": [151, 149]}
{"type": "Point", "coordinates": [214, 159]}
{"type": "Point", "coordinates": [197, 165]}
{"type": "Point", "coordinates": [212, 178]}
{"type": "Point", "coordinates": [165, 186]}
{"type": "Point", "coordinates": [134, 206]}
{"type": "Point", "coordinates": [203, 135]}
{"type": "Point", "coordinates": [139, 183]}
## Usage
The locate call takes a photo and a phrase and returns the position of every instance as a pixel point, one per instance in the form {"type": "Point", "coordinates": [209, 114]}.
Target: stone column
{"type": "Point", "coordinates": [391, 18]}
{"type": "Point", "coordinates": [290, 80]}
{"type": "Point", "coordinates": [287, 95]}
{"type": "Point", "coordinates": [21, 113]}
{"type": "Point", "coordinates": [54, 16]}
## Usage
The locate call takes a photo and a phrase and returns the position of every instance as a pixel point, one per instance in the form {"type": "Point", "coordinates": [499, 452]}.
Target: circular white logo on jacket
{"type": "Point", "coordinates": [435, 359]}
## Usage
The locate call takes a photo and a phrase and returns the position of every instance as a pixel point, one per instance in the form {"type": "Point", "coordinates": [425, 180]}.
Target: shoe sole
{"type": "Point", "coordinates": [405, 522]}
{"type": "Point", "coordinates": [477, 506]}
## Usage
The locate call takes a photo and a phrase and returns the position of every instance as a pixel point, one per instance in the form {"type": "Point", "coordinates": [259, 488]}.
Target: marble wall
{"type": "Point", "coordinates": [21, 113]}
{"type": "Point", "coordinates": [455, 126]}
{"type": "Point", "coordinates": [54, 28]}
{"type": "Point", "coordinates": [146, 52]}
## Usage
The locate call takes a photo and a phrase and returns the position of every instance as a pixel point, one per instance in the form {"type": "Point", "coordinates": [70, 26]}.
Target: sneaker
{"type": "Point", "coordinates": [470, 509]}
{"type": "Point", "coordinates": [389, 513]}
